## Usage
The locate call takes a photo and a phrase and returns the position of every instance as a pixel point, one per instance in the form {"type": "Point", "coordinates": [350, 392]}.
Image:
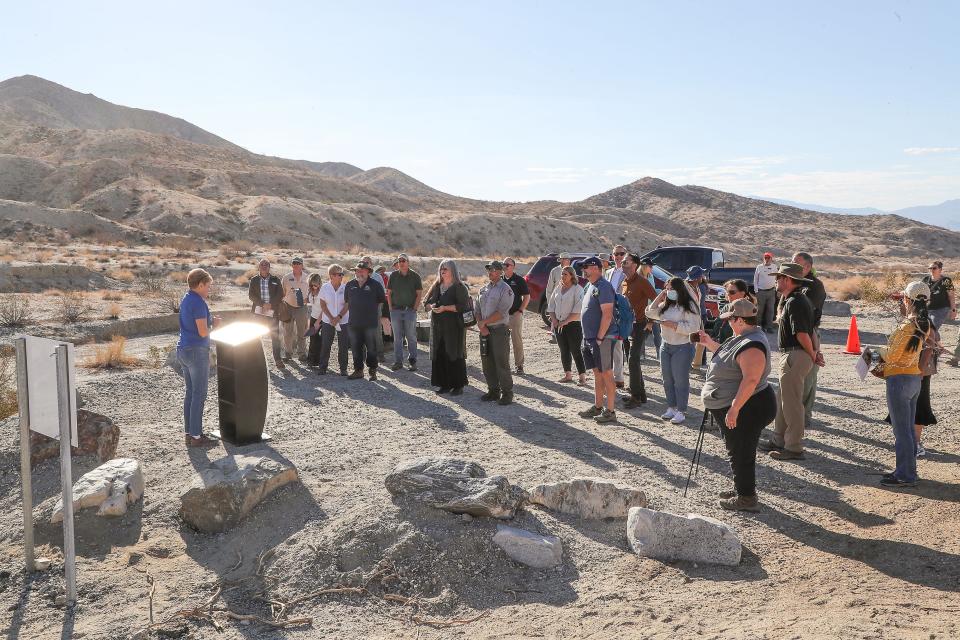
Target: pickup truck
{"type": "Point", "coordinates": [679, 259]}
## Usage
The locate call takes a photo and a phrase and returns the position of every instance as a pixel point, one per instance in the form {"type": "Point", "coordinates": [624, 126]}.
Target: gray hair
{"type": "Point", "coordinates": [806, 257]}
{"type": "Point", "coordinates": [452, 266]}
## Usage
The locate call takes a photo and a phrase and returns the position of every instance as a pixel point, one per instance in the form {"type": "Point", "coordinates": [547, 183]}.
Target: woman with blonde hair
{"type": "Point", "coordinates": [564, 309]}
{"type": "Point", "coordinates": [313, 303]}
{"type": "Point", "coordinates": [447, 300]}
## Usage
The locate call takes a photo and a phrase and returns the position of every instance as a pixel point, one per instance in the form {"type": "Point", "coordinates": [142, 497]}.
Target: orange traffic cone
{"type": "Point", "coordinates": [853, 338]}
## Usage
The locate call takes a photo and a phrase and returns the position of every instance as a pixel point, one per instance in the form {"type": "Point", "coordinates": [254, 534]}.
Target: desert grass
{"type": "Point", "coordinates": [123, 275]}
{"type": "Point", "coordinates": [15, 310]}
{"type": "Point", "coordinates": [111, 295]}
{"type": "Point", "coordinates": [74, 307]}
{"type": "Point", "coordinates": [113, 312]}
{"type": "Point", "coordinates": [244, 280]}
{"type": "Point", "coordinates": [112, 355]}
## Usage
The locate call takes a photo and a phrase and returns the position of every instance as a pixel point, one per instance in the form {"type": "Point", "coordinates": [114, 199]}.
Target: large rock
{"type": "Point", "coordinates": [96, 435]}
{"type": "Point", "coordinates": [836, 308]}
{"type": "Point", "coordinates": [227, 489]}
{"type": "Point", "coordinates": [531, 549]}
{"type": "Point", "coordinates": [455, 485]}
{"type": "Point", "coordinates": [668, 536]}
{"type": "Point", "coordinates": [111, 487]}
{"type": "Point", "coordinates": [589, 497]}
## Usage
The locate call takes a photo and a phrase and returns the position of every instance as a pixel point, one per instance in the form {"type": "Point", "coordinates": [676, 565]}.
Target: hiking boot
{"type": "Point", "coordinates": [490, 396]}
{"type": "Point", "coordinates": [281, 366]}
{"type": "Point", "coordinates": [321, 372]}
{"type": "Point", "coordinates": [895, 483]}
{"type": "Point", "coordinates": [413, 366]}
{"type": "Point", "coordinates": [356, 375]}
{"type": "Point", "coordinates": [302, 358]}
{"type": "Point", "coordinates": [202, 441]}
{"type": "Point", "coordinates": [921, 452]}
{"type": "Point", "coordinates": [726, 495]}
{"type": "Point", "coordinates": [621, 385]}
{"type": "Point", "coordinates": [605, 416]}
{"type": "Point", "coordinates": [396, 366]}
{"type": "Point", "coordinates": [505, 399]}
{"type": "Point", "coordinates": [373, 374]}
{"type": "Point", "coordinates": [443, 390]}
{"type": "Point", "coordinates": [786, 454]}
{"type": "Point", "coordinates": [768, 445]}
{"type": "Point", "coordinates": [953, 362]}
{"type": "Point", "coordinates": [592, 412]}
{"type": "Point", "coordinates": [741, 503]}
{"type": "Point", "coordinates": [519, 371]}
{"type": "Point", "coordinates": [631, 403]}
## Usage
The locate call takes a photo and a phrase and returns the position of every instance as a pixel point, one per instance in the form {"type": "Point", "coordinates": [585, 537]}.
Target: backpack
{"type": "Point", "coordinates": [623, 316]}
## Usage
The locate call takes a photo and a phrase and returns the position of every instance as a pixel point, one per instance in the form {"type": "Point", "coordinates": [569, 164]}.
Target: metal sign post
{"type": "Point", "coordinates": [67, 401]}
{"type": "Point", "coordinates": [23, 402]}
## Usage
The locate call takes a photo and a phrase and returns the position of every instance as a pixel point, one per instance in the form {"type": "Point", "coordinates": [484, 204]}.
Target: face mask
{"type": "Point", "coordinates": [672, 295]}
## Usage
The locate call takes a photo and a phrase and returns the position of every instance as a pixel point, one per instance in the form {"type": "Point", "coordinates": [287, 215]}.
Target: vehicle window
{"type": "Point", "coordinates": [685, 259]}
{"type": "Point", "coordinates": [717, 260]}
{"type": "Point", "coordinates": [544, 265]}
{"type": "Point", "coordinates": [660, 274]}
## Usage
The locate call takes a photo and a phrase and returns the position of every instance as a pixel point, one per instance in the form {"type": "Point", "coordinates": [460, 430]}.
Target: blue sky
{"type": "Point", "coordinates": [838, 103]}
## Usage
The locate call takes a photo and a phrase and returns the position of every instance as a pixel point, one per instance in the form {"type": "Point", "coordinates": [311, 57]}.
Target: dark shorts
{"type": "Point", "coordinates": [598, 354]}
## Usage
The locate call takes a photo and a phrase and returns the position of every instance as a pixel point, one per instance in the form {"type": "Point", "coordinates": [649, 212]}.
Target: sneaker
{"type": "Point", "coordinates": [505, 399]}
{"type": "Point", "coordinates": [741, 503]}
{"type": "Point", "coordinates": [631, 403]}
{"type": "Point", "coordinates": [443, 390]}
{"type": "Point", "coordinates": [356, 375]}
{"type": "Point", "coordinates": [413, 366]}
{"type": "Point", "coordinates": [373, 374]}
{"type": "Point", "coordinates": [344, 373]}
{"type": "Point", "coordinates": [921, 452]}
{"type": "Point", "coordinates": [519, 371]}
{"type": "Point", "coordinates": [202, 441]}
{"type": "Point", "coordinates": [592, 412]}
{"type": "Point", "coordinates": [321, 372]}
{"type": "Point", "coordinates": [786, 454]}
{"type": "Point", "coordinates": [669, 414]}
{"type": "Point", "coordinates": [621, 385]}
{"type": "Point", "coordinates": [490, 396]}
{"type": "Point", "coordinates": [605, 416]}
{"type": "Point", "coordinates": [302, 358]}
{"type": "Point", "coordinates": [894, 482]}
{"type": "Point", "coordinates": [678, 418]}
{"type": "Point", "coordinates": [953, 362]}
{"type": "Point", "coordinates": [396, 366]}
{"type": "Point", "coordinates": [458, 391]}
{"type": "Point", "coordinates": [726, 495]}
{"type": "Point", "coordinates": [769, 445]}
{"type": "Point", "coordinates": [281, 366]}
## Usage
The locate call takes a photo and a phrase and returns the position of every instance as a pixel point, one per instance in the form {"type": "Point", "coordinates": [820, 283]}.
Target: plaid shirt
{"type": "Point", "coordinates": [265, 289]}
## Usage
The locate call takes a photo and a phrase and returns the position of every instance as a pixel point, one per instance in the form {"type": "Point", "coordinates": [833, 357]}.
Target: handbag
{"type": "Point", "coordinates": [469, 316]}
{"type": "Point", "coordinates": [930, 353]}
{"type": "Point", "coordinates": [283, 313]}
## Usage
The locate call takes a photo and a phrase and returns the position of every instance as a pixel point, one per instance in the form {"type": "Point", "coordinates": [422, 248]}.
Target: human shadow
{"type": "Point", "coordinates": [94, 536]}
{"type": "Point", "coordinates": [414, 407]}
{"type": "Point", "coordinates": [839, 337]}
{"type": "Point", "coordinates": [905, 561]}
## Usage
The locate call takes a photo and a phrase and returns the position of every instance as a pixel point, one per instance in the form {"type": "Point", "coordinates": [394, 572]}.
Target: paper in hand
{"type": "Point", "coordinates": [863, 364]}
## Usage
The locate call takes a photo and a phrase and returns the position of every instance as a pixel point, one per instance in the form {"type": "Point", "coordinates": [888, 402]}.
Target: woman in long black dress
{"type": "Point", "coordinates": [447, 300]}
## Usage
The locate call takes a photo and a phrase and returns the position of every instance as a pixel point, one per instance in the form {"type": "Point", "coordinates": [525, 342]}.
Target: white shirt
{"type": "Point", "coordinates": [313, 302]}
{"type": "Point", "coordinates": [615, 276]}
{"type": "Point", "coordinates": [763, 276]}
{"type": "Point", "coordinates": [334, 301]}
{"type": "Point", "coordinates": [565, 303]}
{"type": "Point", "coordinates": [687, 322]}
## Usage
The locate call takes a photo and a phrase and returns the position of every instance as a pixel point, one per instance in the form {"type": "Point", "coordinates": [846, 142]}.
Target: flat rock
{"type": "Point", "coordinates": [226, 490]}
{"type": "Point", "coordinates": [836, 308]}
{"type": "Point", "coordinates": [591, 498]}
{"type": "Point", "coordinates": [668, 536]}
{"type": "Point", "coordinates": [455, 485]}
{"type": "Point", "coordinates": [531, 549]}
{"type": "Point", "coordinates": [96, 435]}
{"type": "Point", "coordinates": [111, 487]}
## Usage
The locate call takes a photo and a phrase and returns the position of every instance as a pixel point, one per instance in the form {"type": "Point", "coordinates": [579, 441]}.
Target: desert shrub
{"type": "Point", "coordinates": [112, 296]}
{"type": "Point", "coordinates": [236, 248]}
{"type": "Point", "coordinates": [73, 308]}
{"type": "Point", "coordinates": [8, 383]}
{"type": "Point", "coordinates": [112, 355]}
{"type": "Point", "coordinates": [244, 280]}
{"type": "Point", "coordinates": [168, 299]}
{"type": "Point", "coordinates": [178, 277]}
{"type": "Point", "coordinates": [216, 291]}
{"type": "Point", "coordinates": [845, 288]}
{"type": "Point", "coordinates": [157, 357]}
{"type": "Point", "coordinates": [149, 282]}
{"type": "Point", "coordinates": [123, 275]}
{"type": "Point", "coordinates": [113, 312]}
{"type": "Point", "coordinates": [15, 310]}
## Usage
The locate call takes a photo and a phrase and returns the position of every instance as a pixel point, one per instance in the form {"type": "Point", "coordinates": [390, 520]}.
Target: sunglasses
{"type": "Point", "coordinates": [731, 292]}
{"type": "Point", "coordinates": [402, 260]}
{"type": "Point", "coordinates": [336, 273]}
{"type": "Point", "coordinates": [620, 254]}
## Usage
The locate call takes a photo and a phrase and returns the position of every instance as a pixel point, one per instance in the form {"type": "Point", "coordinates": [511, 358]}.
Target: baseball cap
{"type": "Point", "coordinates": [591, 261]}
{"type": "Point", "coordinates": [647, 262]}
{"type": "Point", "coordinates": [363, 265]}
{"type": "Point", "coordinates": [767, 254]}
{"type": "Point", "coordinates": [741, 308]}
{"type": "Point", "coordinates": [402, 256]}
{"type": "Point", "coordinates": [917, 290]}
{"type": "Point", "coordinates": [494, 265]}
{"type": "Point", "coordinates": [564, 255]}
{"type": "Point", "coordinates": [695, 272]}
{"type": "Point", "coordinates": [297, 260]}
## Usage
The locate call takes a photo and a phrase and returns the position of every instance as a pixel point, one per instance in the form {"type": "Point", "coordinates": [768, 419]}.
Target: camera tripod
{"type": "Point", "coordinates": [698, 448]}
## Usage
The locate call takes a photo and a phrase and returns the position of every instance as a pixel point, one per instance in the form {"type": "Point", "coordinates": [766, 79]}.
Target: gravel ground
{"type": "Point", "coordinates": [832, 554]}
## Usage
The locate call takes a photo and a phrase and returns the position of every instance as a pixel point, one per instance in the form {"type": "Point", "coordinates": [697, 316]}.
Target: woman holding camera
{"type": "Point", "coordinates": [564, 310]}
{"type": "Point", "coordinates": [739, 398]}
{"type": "Point", "coordinates": [679, 316]}
{"type": "Point", "coordinates": [901, 371]}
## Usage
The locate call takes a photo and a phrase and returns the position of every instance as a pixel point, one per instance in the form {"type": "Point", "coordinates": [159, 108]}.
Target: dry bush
{"type": "Point", "coordinates": [150, 282]}
{"type": "Point", "coordinates": [113, 312]}
{"type": "Point", "coordinates": [178, 277]}
{"type": "Point", "coordinates": [15, 310]}
{"type": "Point", "coordinates": [244, 280]}
{"type": "Point", "coordinates": [168, 299]}
{"type": "Point", "coordinates": [123, 275]}
{"type": "Point", "coordinates": [53, 293]}
{"type": "Point", "coordinates": [158, 355]}
{"type": "Point", "coordinates": [844, 288]}
{"type": "Point", "coordinates": [216, 292]}
{"type": "Point", "coordinates": [8, 382]}
{"type": "Point", "coordinates": [74, 307]}
{"type": "Point", "coordinates": [237, 249]}
{"type": "Point", "coordinates": [220, 262]}
{"type": "Point", "coordinates": [112, 296]}
{"type": "Point", "coordinates": [112, 356]}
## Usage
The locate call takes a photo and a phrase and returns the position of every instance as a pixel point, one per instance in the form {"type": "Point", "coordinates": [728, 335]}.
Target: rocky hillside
{"type": "Point", "coordinates": [74, 164]}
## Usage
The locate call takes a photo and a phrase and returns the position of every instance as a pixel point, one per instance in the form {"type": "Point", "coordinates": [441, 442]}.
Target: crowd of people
{"type": "Point", "coordinates": [601, 326]}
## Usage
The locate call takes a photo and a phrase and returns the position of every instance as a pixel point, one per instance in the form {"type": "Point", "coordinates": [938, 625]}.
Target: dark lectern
{"type": "Point", "coordinates": [241, 381]}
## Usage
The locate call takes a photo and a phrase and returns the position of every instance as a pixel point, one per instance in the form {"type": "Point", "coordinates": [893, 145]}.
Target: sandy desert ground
{"type": "Point", "coordinates": [832, 554]}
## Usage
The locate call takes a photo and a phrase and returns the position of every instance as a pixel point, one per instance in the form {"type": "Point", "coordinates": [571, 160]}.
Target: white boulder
{"type": "Point", "coordinates": [111, 487]}
{"type": "Point", "coordinates": [531, 549]}
{"type": "Point", "coordinates": [592, 498]}
{"type": "Point", "coordinates": [668, 536]}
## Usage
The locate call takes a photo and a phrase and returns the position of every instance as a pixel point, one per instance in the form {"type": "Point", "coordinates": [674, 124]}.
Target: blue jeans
{"type": "Point", "coordinates": [363, 343]}
{"type": "Point", "coordinates": [404, 323]}
{"type": "Point", "coordinates": [902, 394]}
{"type": "Point", "coordinates": [656, 337]}
{"type": "Point", "coordinates": [195, 365]}
{"type": "Point", "coordinates": [675, 362]}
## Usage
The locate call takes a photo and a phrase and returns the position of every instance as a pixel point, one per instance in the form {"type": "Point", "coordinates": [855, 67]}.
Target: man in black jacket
{"type": "Point", "coordinates": [266, 293]}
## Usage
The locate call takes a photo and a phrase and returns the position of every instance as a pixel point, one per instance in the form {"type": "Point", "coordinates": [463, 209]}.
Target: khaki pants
{"type": "Point", "coordinates": [496, 364]}
{"type": "Point", "coordinates": [618, 361]}
{"type": "Point", "coordinates": [788, 431]}
{"type": "Point", "coordinates": [516, 337]}
{"type": "Point", "coordinates": [809, 394]}
{"type": "Point", "coordinates": [293, 341]}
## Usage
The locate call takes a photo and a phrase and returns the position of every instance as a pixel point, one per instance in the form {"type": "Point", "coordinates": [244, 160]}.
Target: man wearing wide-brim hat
{"type": "Point", "coordinates": [565, 261]}
{"type": "Point", "coordinates": [363, 297]}
{"type": "Point", "coordinates": [797, 356]}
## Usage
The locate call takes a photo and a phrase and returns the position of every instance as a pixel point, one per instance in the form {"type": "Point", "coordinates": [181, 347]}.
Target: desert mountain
{"type": "Point", "coordinates": [74, 165]}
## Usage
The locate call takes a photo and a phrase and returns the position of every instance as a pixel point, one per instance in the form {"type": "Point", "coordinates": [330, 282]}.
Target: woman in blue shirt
{"type": "Point", "coordinates": [193, 354]}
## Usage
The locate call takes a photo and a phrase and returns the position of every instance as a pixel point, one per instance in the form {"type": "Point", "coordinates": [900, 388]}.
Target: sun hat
{"type": "Point", "coordinates": [917, 290]}
{"type": "Point", "coordinates": [741, 308]}
{"type": "Point", "coordinates": [695, 272]}
{"type": "Point", "coordinates": [793, 271]}
{"type": "Point", "coordinates": [494, 265]}
{"type": "Point", "coordinates": [363, 265]}
{"type": "Point", "coordinates": [564, 255]}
